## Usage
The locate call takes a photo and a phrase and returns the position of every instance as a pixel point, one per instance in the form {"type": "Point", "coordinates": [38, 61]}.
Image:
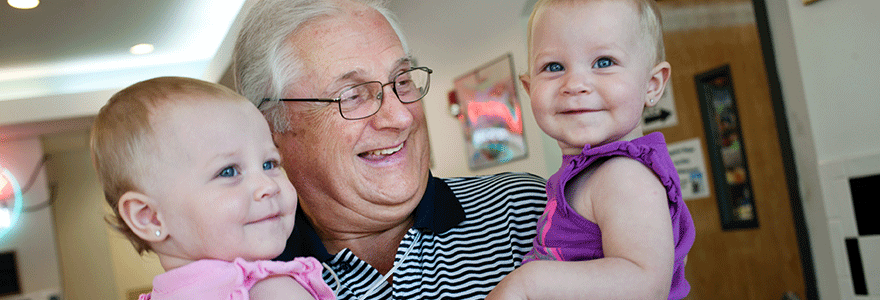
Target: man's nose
{"type": "Point", "coordinates": [393, 113]}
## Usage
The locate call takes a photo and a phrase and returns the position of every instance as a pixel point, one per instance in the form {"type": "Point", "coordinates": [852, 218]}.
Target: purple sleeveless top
{"type": "Point", "coordinates": [564, 235]}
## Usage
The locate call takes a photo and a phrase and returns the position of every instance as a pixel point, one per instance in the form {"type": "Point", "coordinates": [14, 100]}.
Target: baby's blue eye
{"type": "Point", "coordinates": [228, 172]}
{"type": "Point", "coordinates": [269, 165]}
{"type": "Point", "coordinates": [603, 63]}
{"type": "Point", "coordinates": [553, 67]}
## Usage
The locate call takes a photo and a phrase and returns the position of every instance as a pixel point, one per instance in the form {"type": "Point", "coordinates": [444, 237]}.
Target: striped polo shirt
{"type": "Point", "coordinates": [468, 233]}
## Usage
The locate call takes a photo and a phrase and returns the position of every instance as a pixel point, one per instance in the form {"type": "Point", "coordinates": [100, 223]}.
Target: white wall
{"type": "Point", "coordinates": [827, 57]}
{"type": "Point", "coordinates": [33, 238]}
{"type": "Point", "coordinates": [837, 48]}
{"type": "Point", "coordinates": [453, 37]}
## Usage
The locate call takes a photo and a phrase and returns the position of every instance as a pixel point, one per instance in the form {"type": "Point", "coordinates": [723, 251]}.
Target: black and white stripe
{"type": "Point", "coordinates": [465, 262]}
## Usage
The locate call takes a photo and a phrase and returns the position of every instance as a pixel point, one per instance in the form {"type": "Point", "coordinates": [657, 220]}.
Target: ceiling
{"type": "Point", "coordinates": [63, 59]}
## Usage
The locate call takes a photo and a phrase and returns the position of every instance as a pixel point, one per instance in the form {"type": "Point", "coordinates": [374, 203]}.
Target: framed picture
{"type": "Point", "coordinates": [733, 188]}
{"type": "Point", "coordinates": [490, 114]}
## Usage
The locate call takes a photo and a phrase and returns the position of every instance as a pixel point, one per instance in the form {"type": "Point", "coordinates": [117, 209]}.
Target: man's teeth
{"type": "Point", "coordinates": [388, 151]}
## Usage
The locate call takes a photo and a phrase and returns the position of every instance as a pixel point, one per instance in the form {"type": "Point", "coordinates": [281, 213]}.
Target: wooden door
{"type": "Point", "coordinates": [755, 263]}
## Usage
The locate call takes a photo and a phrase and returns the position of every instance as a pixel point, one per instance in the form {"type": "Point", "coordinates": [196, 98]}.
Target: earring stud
{"type": "Point", "coordinates": [652, 100]}
{"type": "Point", "coordinates": [158, 233]}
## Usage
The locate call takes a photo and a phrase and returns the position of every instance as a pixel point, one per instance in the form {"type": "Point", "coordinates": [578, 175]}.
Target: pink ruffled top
{"type": "Point", "coordinates": [218, 279]}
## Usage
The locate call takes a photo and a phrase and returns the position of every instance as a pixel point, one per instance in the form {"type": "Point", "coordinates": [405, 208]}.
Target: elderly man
{"type": "Point", "coordinates": [336, 83]}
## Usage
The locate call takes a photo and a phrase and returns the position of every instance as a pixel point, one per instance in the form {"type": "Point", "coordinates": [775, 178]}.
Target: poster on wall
{"type": "Point", "coordinates": [687, 156]}
{"type": "Point", "coordinates": [490, 114]}
{"type": "Point", "coordinates": [661, 115]}
{"type": "Point", "coordinates": [724, 139]}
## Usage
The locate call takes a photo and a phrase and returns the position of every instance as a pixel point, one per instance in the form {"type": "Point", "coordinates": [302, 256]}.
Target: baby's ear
{"type": "Point", "coordinates": [140, 213]}
{"type": "Point", "coordinates": [657, 83]}
{"type": "Point", "coordinates": [525, 79]}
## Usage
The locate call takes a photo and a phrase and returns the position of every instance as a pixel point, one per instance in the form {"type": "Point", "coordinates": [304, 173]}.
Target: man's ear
{"type": "Point", "coordinates": [525, 79]}
{"type": "Point", "coordinates": [140, 213]}
{"type": "Point", "coordinates": [657, 83]}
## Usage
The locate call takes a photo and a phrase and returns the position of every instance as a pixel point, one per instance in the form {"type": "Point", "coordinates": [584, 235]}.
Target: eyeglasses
{"type": "Point", "coordinates": [364, 99]}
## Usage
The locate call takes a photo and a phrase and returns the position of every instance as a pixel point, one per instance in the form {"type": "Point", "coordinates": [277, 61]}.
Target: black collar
{"type": "Point", "coordinates": [438, 211]}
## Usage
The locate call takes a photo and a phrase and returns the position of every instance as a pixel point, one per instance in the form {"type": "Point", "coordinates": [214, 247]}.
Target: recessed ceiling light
{"type": "Point", "coordinates": [23, 4]}
{"type": "Point", "coordinates": [141, 49]}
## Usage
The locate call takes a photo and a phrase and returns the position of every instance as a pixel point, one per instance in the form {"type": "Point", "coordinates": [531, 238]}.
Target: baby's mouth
{"type": "Point", "coordinates": [266, 218]}
{"type": "Point", "coordinates": [577, 111]}
{"type": "Point", "coordinates": [381, 152]}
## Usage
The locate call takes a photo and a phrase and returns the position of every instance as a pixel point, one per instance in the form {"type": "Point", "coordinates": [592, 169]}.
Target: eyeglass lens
{"type": "Point", "coordinates": [364, 100]}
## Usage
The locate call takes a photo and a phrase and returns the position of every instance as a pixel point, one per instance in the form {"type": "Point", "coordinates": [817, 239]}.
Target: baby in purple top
{"type": "Point", "coordinates": [615, 225]}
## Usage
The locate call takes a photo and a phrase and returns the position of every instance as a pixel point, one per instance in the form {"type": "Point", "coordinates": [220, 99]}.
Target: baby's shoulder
{"type": "Point", "coordinates": [619, 167]}
{"type": "Point", "coordinates": [621, 175]}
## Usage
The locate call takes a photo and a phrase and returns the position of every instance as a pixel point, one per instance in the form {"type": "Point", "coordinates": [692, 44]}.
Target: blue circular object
{"type": "Point", "coordinates": [15, 210]}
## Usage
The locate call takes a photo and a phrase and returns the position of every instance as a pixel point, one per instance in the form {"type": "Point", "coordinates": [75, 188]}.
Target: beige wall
{"type": "Point", "coordinates": [87, 245]}
{"type": "Point", "coordinates": [82, 239]}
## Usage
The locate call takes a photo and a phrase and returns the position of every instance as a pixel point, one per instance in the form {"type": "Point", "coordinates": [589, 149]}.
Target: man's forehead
{"type": "Point", "coordinates": [359, 65]}
{"type": "Point", "coordinates": [360, 72]}
{"type": "Point", "coordinates": [358, 44]}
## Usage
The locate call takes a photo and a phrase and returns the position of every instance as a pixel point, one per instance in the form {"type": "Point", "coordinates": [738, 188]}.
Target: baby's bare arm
{"type": "Point", "coordinates": [629, 204]}
{"type": "Point", "coordinates": [279, 287]}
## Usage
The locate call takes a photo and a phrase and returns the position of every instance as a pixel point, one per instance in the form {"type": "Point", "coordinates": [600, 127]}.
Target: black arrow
{"type": "Point", "coordinates": [662, 116]}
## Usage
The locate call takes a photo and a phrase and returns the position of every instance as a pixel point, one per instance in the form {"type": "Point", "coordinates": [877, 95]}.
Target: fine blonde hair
{"type": "Point", "coordinates": [122, 140]}
{"type": "Point", "coordinates": [650, 24]}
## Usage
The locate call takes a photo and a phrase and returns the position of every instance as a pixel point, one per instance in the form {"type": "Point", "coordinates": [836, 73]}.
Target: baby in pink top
{"type": "Point", "coordinates": [192, 174]}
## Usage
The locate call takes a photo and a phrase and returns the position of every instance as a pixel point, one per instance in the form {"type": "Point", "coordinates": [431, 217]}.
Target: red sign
{"type": "Point", "coordinates": [6, 193]}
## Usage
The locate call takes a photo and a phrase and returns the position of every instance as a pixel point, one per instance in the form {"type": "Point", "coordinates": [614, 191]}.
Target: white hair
{"type": "Point", "coordinates": [264, 65]}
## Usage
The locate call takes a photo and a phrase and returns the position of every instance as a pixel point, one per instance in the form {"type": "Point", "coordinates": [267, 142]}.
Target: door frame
{"type": "Point", "coordinates": [787, 151]}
